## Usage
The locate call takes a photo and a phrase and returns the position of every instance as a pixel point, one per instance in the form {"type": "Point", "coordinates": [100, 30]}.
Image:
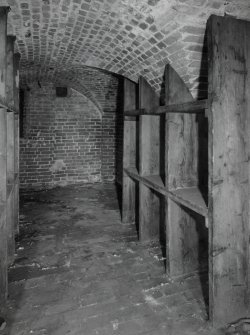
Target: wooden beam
{"type": "Point", "coordinates": [3, 160]}
{"type": "Point", "coordinates": [3, 202]}
{"type": "Point", "coordinates": [183, 238]}
{"type": "Point", "coordinates": [10, 149]}
{"type": "Point", "coordinates": [229, 150]}
{"type": "Point", "coordinates": [149, 164]}
{"type": "Point", "coordinates": [130, 153]}
{"type": "Point", "coordinates": [16, 136]}
{"type": "Point", "coordinates": [198, 106]}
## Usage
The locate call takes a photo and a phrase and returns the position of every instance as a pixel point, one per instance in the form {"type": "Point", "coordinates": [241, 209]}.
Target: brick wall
{"type": "Point", "coordinates": [68, 140]}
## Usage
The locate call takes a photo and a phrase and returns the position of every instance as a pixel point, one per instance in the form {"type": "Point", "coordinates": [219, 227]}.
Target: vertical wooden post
{"type": "Point", "coordinates": [229, 152]}
{"type": "Point", "coordinates": [16, 146]}
{"type": "Point", "coordinates": [149, 163]}
{"type": "Point", "coordinates": [3, 160]}
{"type": "Point", "coordinates": [182, 236]}
{"type": "Point", "coordinates": [129, 154]}
{"type": "Point", "coordinates": [10, 148]}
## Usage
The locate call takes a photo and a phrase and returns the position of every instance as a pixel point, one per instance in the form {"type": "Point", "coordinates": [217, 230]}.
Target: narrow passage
{"type": "Point", "coordinates": [79, 271]}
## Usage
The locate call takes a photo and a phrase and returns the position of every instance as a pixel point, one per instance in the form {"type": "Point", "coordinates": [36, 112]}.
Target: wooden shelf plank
{"type": "Point", "coordinates": [191, 198]}
{"type": "Point", "coordinates": [132, 172]}
{"type": "Point", "coordinates": [197, 106]}
{"type": "Point", "coordinates": [10, 108]}
{"type": "Point", "coordinates": [154, 182]}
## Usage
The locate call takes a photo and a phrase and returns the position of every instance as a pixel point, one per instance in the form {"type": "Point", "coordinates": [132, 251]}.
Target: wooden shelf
{"type": "Point", "coordinates": [191, 198]}
{"type": "Point", "coordinates": [133, 173]}
{"type": "Point", "coordinates": [196, 106]}
{"type": "Point", "coordinates": [153, 182]}
{"type": "Point", "coordinates": [191, 150]}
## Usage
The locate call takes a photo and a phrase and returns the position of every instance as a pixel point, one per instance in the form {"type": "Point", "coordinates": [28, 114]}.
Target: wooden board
{"type": "Point", "coordinates": [183, 249]}
{"type": "Point", "coordinates": [10, 149]}
{"type": "Point", "coordinates": [149, 132]}
{"type": "Point", "coordinates": [153, 182]}
{"type": "Point", "coordinates": [182, 136]}
{"type": "Point", "coordinates": [3, 204]}
{"type": "Point", "coordinates": [229, 123]}
{"type": "Point", "coordinates": [129, 154]}
{"type": "Point", "coordinates": [198, 106]}
{"type": "Point", "coordinates": [16, 136]}
{"type": "Point", "coordinates": [149, 164]}
{"type": "Point", "coordinates": [190, 197]}
{"type": "Point", "coordinates": [183, 239]}
{"type": "Point", "coordinates": [3, 160]}
{"type": "Point", "coordinates": [4, 255]}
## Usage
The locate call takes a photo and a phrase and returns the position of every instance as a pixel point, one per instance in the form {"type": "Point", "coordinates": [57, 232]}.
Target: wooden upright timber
{"type": "Point", "coordinates": [229, 151]}
{"type": "Point", "coordinates": [129, 154]}
{"type": "Point", "coordinates": [198, 106]}
{"type": "Point", "coordinates": [182, 236]}
{"type": "Point", "coordinates": [10, 150]}
{"type": "Point", "coordinates": [3, 161]}
{"type": "Point", "coordinates": [17, 135]}
{"type": "Point", "coordinates": [149, 164]}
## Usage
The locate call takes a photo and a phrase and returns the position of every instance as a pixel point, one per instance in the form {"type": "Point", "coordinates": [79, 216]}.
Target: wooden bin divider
{"type": "Point", "coordinates": [3, 160]}
{"type": "Point", "coordinates": [10, 150]}
{"type": "Point", "coordinates": [223, 204]}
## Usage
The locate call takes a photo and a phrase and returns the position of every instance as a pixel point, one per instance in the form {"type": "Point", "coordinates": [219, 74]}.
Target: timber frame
{"type": "Point", "coordinates": [186, 169]}
{"type": "Point", "coordinates": [9, 151]}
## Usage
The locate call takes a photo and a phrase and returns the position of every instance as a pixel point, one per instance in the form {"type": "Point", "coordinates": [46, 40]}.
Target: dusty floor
{"type": "Point", "coordinates": [79, 271]}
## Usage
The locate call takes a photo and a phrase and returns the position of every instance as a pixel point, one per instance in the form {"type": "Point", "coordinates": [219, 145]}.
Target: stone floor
{"type": "Point", "coordinates": [79, 271]}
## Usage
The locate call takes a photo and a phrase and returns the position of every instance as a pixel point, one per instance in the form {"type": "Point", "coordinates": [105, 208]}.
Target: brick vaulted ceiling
{"type": "Point", "coordinates": [128, 37]}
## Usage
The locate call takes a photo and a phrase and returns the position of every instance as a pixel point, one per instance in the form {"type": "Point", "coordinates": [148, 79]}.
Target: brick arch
{"type": "Point", "coordinates": [83, 90]}
{"type": "Point", "coordinates": [29, 76]}
{"type": "Point", "coordinates": [127, 37]}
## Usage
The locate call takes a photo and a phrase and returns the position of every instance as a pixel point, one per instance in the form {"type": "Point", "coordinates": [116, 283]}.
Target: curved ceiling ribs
{"type": "Point", "coordinates": [128, 37]}
{"type": "Point", "coordinates": [75, 79]}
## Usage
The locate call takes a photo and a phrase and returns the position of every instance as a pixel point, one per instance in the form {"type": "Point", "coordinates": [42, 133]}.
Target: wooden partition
{"type": "Point", "coordinates": [229, 151]}
{"type": "Point", "coordinates": [16, 146]}
{"type": "Point", "coordinates": [3, 160]}
{"type": "Point", "coordinates": [149, 164]}
{"type": "Point", "coordinates": [185, 223]}
{"type": "Point", "coordinates": [10, 214]}
{"type": "Point", "coordinates": [9, 92]}
{"type": "Point", "coordinates": [130, 153]}
{"type": "Point", "coordinates": [142, 161]}
{"type": "Point", "coordinates": [185, 186]}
